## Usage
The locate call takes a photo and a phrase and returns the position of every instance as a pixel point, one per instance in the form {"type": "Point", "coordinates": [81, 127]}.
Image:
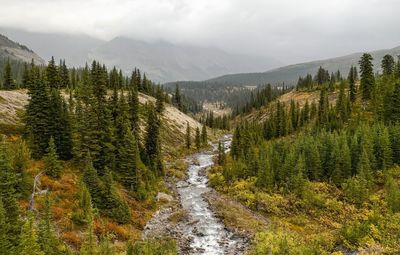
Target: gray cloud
{"type": "Point", "coordinates": [289, 30]}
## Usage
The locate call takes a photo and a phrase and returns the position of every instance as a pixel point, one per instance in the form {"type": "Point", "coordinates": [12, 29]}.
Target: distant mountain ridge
{"type": "Point", "coordinates": [162, 61]}
{"type": "Point", "coordinates": [290, 74]}
{"type": "Point", "coordinates": [16, 51]}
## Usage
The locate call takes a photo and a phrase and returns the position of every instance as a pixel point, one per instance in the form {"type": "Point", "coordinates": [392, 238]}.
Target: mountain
{"type": "Point", "coordinates": [162, 61]}
{"type": "Point", "coordinates": [73, 48]}
{"type": "Point", "coordinates": [232, 88]}
{"type": "Point", "coordinates": [290, 74]}
{"type": "Point", "coordinates": [18, 52]}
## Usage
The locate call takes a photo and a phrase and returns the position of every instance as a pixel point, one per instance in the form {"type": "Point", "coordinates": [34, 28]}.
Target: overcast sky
{"type": "Point", "coordinates": [289, 30]}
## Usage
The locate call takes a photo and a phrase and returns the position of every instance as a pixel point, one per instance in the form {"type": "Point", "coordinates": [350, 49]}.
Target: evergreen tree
{"type": "Point", "coordinates": [323, 108]}
{"type": "Point", "coordinates": [198, 138]}
{"type": "Point", "coordinates": [387, 65]}
{"type": "Point", "coordinates": [64, 75]}
{"type": "Point", "coordinates": [8, 82]}
{"type": "Point", "coordinates": [37, 115]}
{"type": "Point", "coordinates": [352, 84]}
{"type": "Point", "coordinates": [47, 237]}
{"type": "Point", "coordinates": [221, 154]}
{"type": "Point", "coordinates": [4, 242]}
{"type": "Point", "coordinates": [188, 136]}
{"type": "Point", "coordinates": [133, 102]}
{"type": "Point", "coordinates": [341, 104]}
{"type": "Point", "coordinates": [129, 162]}
{"type": "Point", "coordinates": [9, 198]}
{"type": "Point", "coordinates": [178, 98]}
{"type": "Point", "coordinates": [204, 135]}
{"type": "Point", "coordinates": [152, 142]}
{"type": "Point", "coordinates": [392, 194]}
{"type": "Point", "coordinates": [52, 75]}
{"type": "Point", "coordinates": [367, 81]}
{"type": "Point", "coordinates": [89, 246]}
{"type": "Point", "coordinates": [392, 103]}
{"type": "Point", "coordinates": [51, 164]}
{"type": "Point", "coordinates": [29, 241]}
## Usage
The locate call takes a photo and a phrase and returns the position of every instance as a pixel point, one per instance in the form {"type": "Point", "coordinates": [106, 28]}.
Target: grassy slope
{"type": "Point", "coordinates": [315, 220]}
{"type": "Point", "coordinates": [64, 191]}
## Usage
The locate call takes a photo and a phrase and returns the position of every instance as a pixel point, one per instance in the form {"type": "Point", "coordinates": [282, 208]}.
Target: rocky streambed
{"type": "Point", "coordinates": [190, 220]}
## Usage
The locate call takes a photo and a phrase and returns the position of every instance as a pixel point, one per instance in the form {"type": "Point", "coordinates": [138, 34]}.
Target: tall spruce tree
{"type": "Point", "coordinates": [51, 164]}
{"type": "Point", "coordinates": [352, 85]}
{"type": "Point", "coordinates": [52, 75]}
{"type": "Point", "coordinates": [152, 142]}
{"type": "Point", "coordinates": [204, 135]}
{"type": "Point", "coordinates": [37, 115]}
{"type": "Point", "coordinates": [367, 81]}
{"type": "Point", "coordinates": [387, 65]}
{"type": "Point", "coordinates": [198, 138]}
{"type": "Point", "coordinates": [188, 136]}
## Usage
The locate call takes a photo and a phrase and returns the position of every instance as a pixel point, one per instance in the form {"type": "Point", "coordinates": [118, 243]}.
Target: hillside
{"type": "Point", "coordinates": [223, 88]}
{"type": "Point", "coordinates": [173, 129]}
{"type": "Point", "coordinates": [15, 51]}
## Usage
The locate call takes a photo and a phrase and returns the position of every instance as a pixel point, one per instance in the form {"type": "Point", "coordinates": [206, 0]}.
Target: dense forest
{"type": "Point", "coordinates": [325, 159]}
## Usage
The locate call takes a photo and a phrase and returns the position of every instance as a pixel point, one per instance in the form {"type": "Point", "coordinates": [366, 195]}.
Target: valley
{"type": "Point", "coordinates": [216, 128]}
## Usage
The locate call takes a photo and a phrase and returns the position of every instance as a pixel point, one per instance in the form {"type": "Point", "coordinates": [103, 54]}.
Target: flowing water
{"type": "Point", "coordinates": [206, 233]}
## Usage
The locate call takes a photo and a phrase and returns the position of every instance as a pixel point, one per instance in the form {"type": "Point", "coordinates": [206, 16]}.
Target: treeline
{"type": "Point", "coordinates": [185, 104]}
{"type": "Point", "coordinates": [345, 143]}
{"type": "Point", "coordinates": [95, 122]}
{"type": "Point", "coordinates": [322, 77]}
{"type": "Point", "coordinates": [261, 97]}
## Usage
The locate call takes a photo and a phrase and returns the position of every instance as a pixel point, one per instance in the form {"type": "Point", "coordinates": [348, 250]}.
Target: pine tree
{"type": "Point", "coordinates": [152, 142]}
{"type": "Point", "coordinates": [352, 85]}
{"type": "Point", "coordinates": [89, 246]}
{"type": "Point", "coordinates": [387, 65]}
{"type": "Point", "coordinates": [178, 98]}
{"type": "Point", "coordinates": [133, 102]}
{"type": "Point", "coordinates": [47, 236]}
{"type": "Point", "coordinates": [37, 115]}
{"type": "Point", "coordinates": [9, 197]}
{"type": "Point", "coordinates": [341, 104]}
{"type": "Point", "coordinates": [105, 247]}
{"type": "Point", "coordinates": [367, 82]}
{"type": "Point", "coordinates": [392, 103]}
{"type": "Point", "coordinates": [8, 82]}
{"type": "Point", "coordinates": [4, 242]}
{"type": "Point", "coordinates": [198, 138]}
{"type": "Point", "coordinates": [204, 135]}
{"type": "Point", "coordinates": [160, 101]}
{"type": "Point", "coordinates": [129, 162]}
{"type": "Point", "coordinates": [392, 194]}
{"type": "Point", "coordinates": [52, 75]}
{"type": "Point", "coordinates": [64, 75]}
{"type": "Point", "coordinates": [221, 154]}
{"type": "Point", "coordinates": [29, 241]}
{"type": "Point", "coordinates": [323, 108]}
{"type": "Point", "coordinates": [382, 147]}
{"type": "Point", "coordinates": [188, 136]}
{"type": "Point", "coordinates": [51, 164]}
{"type": "Point", "coordinates": [85, 203]}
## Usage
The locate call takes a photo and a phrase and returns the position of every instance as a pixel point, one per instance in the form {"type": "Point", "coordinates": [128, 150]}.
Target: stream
{"type": "Point", "coordinates": [206, 234]}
